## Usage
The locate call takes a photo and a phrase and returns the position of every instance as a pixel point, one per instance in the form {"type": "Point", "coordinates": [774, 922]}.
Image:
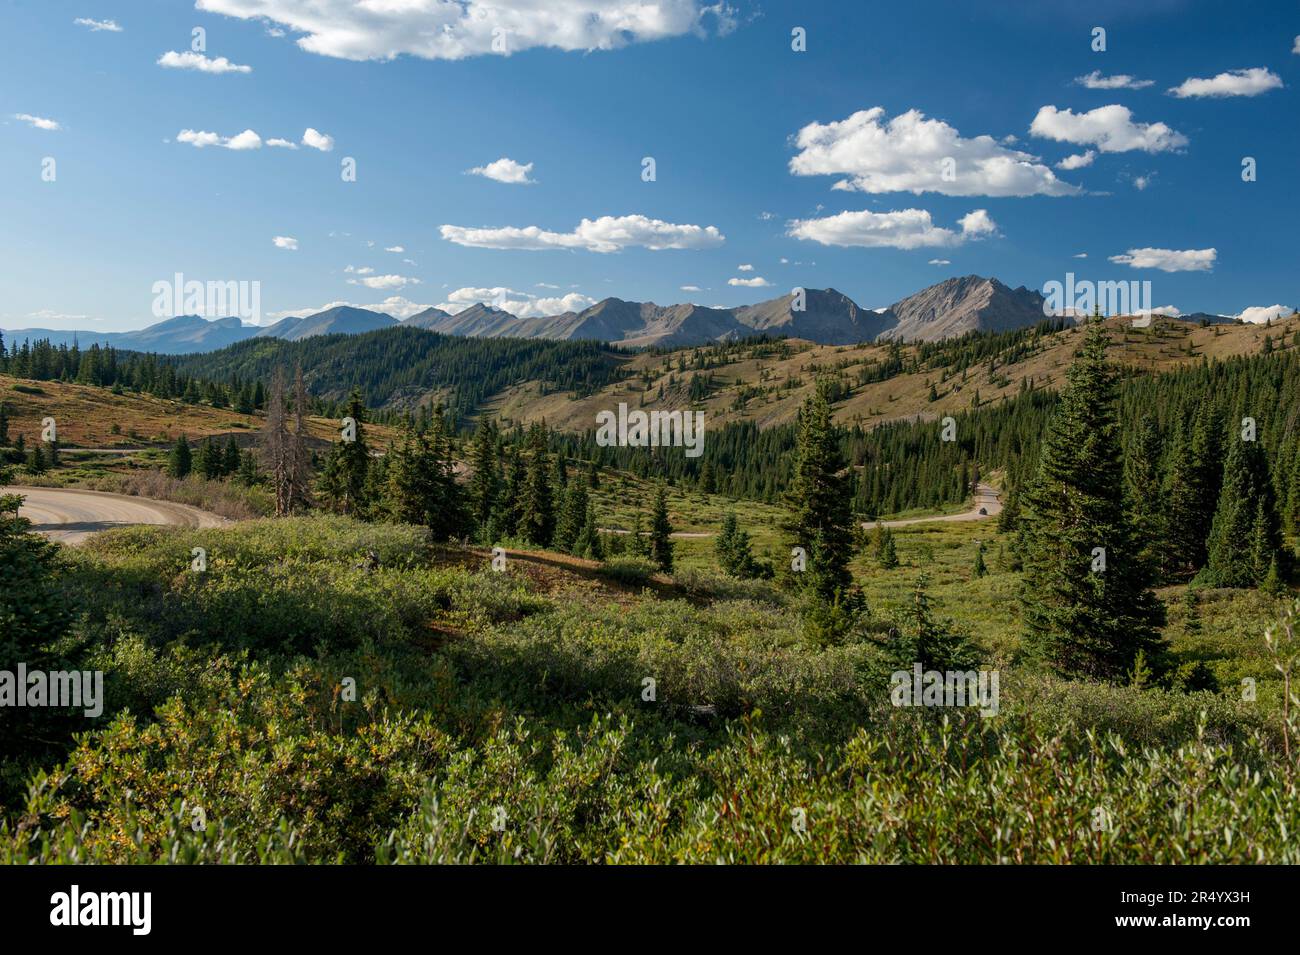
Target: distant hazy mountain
{"type": "Point", "coordinates": [340, 320]}
{"type": "Point", "coordinates": [950, 308]}
{"type": "Point", "coordinates": [174, 336]}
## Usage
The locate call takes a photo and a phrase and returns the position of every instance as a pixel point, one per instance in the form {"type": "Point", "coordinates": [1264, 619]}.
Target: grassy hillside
{"type": "Point", "coordinates": [769, 390]}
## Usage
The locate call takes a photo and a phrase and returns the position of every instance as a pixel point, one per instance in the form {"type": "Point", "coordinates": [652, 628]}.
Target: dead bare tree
{"type": "Point", "coordinates": [299, 455]}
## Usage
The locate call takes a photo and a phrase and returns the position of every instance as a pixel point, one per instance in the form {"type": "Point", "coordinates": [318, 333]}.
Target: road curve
{"type": "Point", "coordinates": [71, 515]}
{"type": "Point", "coordinates": [985, 497]}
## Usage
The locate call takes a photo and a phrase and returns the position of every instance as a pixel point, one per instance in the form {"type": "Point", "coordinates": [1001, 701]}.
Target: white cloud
{"type": "Point", "coordinates": [1168, 260]}
{"type": "Point", "coordinates": [1078, 160]}
{"type": "Point", "coordinates": [1250, 82]}
{"type": "Point", "coordinates": [756, 282]}
{"type": "Point", "coordinates": [1259, 314]}
{"type": "Point", "coordinates": [440, 30]}
{"type": "Point", "coordinates": [910, 153]}
{"type": "Point", "coordinates": [1296, 49]}
{"type": "Point", "coordinates": [395, 248]}
{"type": "Point", "coordinates": [286, 242]}
{"type": "Point", "coordinates": [97, 26]}
{"type": "Point", "coordinates": [282, 143]}
{"type": "Point", "coordinates": [1120, 81]}
{"type": "Point", "coordinates": [900, 229]}
{"type": "Point", "coordinates": [199, 138]}
{"type": "Point", "coordinates": [40, 122]}
{"type": "Point", "coordinates": [606, 234]}
{"type": "Point", "coordinates": [1081, 255]}
{"type": "Point", "coordinates": [359, 270]}
{"type": "Point", "coordinates": [1141, 182]}
{"type": "Point", "coordinates": [691, 288]}
{"type": "Point", "coordinates": [1110, 128]}
{"type": "Point", "coordinates": [385, 281]}
{"type": "Point", "coordinates": [505, 170]}
{"type": "Point", "coordinates": [744, 268]}
{"type": "Point", "coordinates": [519, 304]}
{"type": "Point", "coordinates": [197, 61]}
{"type": "Point", "coordinates": [317, 140]}
{"type": "Point", "coordinates": [939, 262]}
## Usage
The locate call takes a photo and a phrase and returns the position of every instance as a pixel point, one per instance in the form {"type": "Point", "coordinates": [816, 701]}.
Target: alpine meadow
{"type": "Point", "coordinates": [448, 433]}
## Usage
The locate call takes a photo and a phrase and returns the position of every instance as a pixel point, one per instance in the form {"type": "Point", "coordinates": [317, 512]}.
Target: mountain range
{"type": "Point", "coordinates": [951, 308]}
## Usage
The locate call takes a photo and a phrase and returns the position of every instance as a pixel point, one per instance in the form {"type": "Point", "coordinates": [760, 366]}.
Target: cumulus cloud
{"type": "Point", "coordinates": [691, 288]}
{"type": "Point", "coordinates": [1078, 160]}
{"type": "Point", "coordinates": [1120, 81]}
{"type": "Point", "coordinates": [1250, 82]}
{"type": "Point", "coordinates": [39, 122]}
{"type": "Point", "coordinates": [317, 140]}
{"type": "Point", "coordinates": [910, 153]}
{"type": "Point", "coordinates": [939, 262]}
{"type": "Point", "coordinates": [744, 268]}
{"type": "Point", "coordinates": [97, 26]}
{"type": "Point", "coordinates": [394, 305]}
{"type": "Point", "coordinates": [505, 170]}
{"type": "Point", "coordinates": [1259, 314]}
{"type": "Point", "coordinates": [384, 281]}
{"type": "Point", "coordinates": [519, 304]}
{"type": "Point", "coordinates": [1110, 128]}
{"type": "Point", "coordinates": [286, 242]}
{"type": "Point", "coordinates": [440, 30]}
{"type": "Point", "coordinates": [201, 138]}
{"type": "Point", "coordinates": [756, 282]}
{"type": "Point", "coordinates": [197, 61]}
{"type": "Point", "coordinates": [1169, 260]}
{"type": "Point", "coordinates": [395, 248]}
{"type": "Point", "coordinates": [606, 234]}
{"type": "Point", "coordinates": [900, 229]}
{"type": "Point", "coordinates": [282, 143]}
{"type": "Point", "coordinates": [359, 270]}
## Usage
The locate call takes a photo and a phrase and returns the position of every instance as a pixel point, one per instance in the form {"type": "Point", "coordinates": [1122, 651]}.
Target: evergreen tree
{"type": "Point", "coordinates": [1083, 618]}
{"type": "Point", "coordinates": [1191, 493]}
{"type": "Point", "coordinates": [231, 457]}
{"type": "Point", "coordinates": [422, 487]}
{"type": "Point", "coordinates": [573, 515]}
{"type": "Point", "coordinates": [639, 545]}
{"type": "Point", "coordinates": [661, 542]}
{"type": "Point", "coordinates": [980, 568]}
{"type": "Point", "coordinates": [1244, 535]}
{"type": "Point", "coordinates": [588, 543]}
{"type": "Point", "coordinates": [1143, 494]}
{"type": "Point", "coordinates": [485, 481]}
{"type": "Point", "coordinates": [344, 477]}
{"type": "Point", "coordinates": [180, 461]}
{"type": "Point", "coordinates": [36, 460]}
{"type": "Point", "coordinates": [537, 513]}
{"type": "Point", "coordinates": [819, 495]}
{"type": "Point", "coordinates": [4, 425]}
{"type": "Point", "coordinates": [928, 640]}
{"type": "Point", "coordinates": [732, 546]}
{"type": "Point", "coordinates": [211, 461]}
{"type": "Point", "coordinates": [247, 471]}
{"type": "Point", "coordinates": [510, 505]}
{"type": "Point", "coordinates": [886, 549]}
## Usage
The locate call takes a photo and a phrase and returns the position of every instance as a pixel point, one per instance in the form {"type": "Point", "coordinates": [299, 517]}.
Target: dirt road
{"type": "Point", "coordinates": [71, 515]}
{"type": "Point", "coordinates": [985, 497]}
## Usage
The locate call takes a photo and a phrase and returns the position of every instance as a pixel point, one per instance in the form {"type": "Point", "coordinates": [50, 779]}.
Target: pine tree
{"type": "Point", "coordinates": [886, 549]}
{"type": "Point", "coordinates": [537, 512]}
{"type": "Point", "coordinates": [927, 640]}
{"type": "Point", "coordinates": [572, 517]}
{"type": "Point", "coordinates": [819, 495]}
{"type": "Point", "coordinates": [510, 505]}
{"type": "Point", "coordinates": [980, 568]}
{"type": "Point", "coordinates": [4, 425]}
{"type": "Point", "coordinates": [247, 472]}
{"type": "Point", "coordinates": [732, 546]}
{"type": "Point", "coordinates": [343, 479]}
{"type": "Point", "coordinates": [588, 543]}
{"type": "Point", "coordinates": [1243, 537]}
{"type": "Point", "coordinates": [639, 544]}
{"type": "Point", "coordinates": [36, 460]}
{"type": "Point", "coordinates": [485, 481]}
{"type": "Point", "coordinates": [231, 458]}
{"type": "Point", "coordinates": [661, 542]}
{"type": "Point", "coordinates": [1143, 497]}
{"type": "Point", "coordinates": [422, 487]}
{"type": "Point", "coordinates": [1191, 493]}
{"type": "Point", "coordinates": [1083, 618]}
{"type": "Point", "coordinates": [210, 461]}
{"type": "Point", "coordinates": [180, 461]}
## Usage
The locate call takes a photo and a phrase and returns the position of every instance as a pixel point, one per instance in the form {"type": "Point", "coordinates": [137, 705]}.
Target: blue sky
{"type": "Point", "coordinates": [819, 168]}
